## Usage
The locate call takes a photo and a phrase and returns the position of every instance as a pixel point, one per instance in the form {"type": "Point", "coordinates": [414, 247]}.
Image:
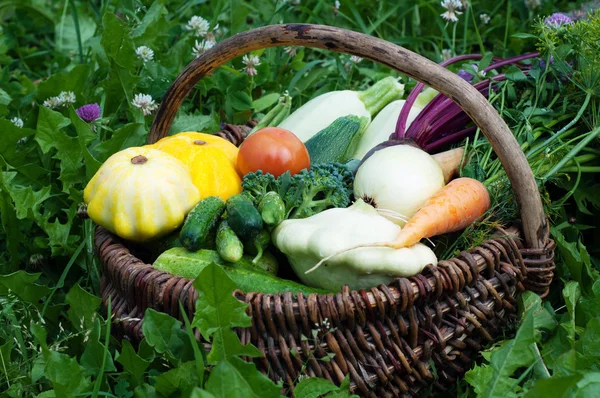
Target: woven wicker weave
{"type": "Point", "coordinates": [390, 338]}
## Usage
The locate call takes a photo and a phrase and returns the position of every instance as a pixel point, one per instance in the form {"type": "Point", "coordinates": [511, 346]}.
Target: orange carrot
{"type": "Point", "coordinates": [451, 209]}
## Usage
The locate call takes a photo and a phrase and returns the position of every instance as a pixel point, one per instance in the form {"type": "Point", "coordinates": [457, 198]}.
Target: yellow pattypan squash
{"type": "Point", "coordinates": [140, 193]}
{"type": "Point", "coordinates": [211, 159]}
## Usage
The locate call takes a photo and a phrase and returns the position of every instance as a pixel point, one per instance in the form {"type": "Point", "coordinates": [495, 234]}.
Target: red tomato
{"type": "Point", "coordinates": [272, 150]}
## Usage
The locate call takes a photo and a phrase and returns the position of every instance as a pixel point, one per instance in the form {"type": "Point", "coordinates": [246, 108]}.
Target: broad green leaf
{"type": "Point", "coordinates": [119, 87]}
{"type": "Point", "coordinates": [588, 386]}
{"type": "Point", "coordinates": [236, 378]}
{"type": "Point", "coordinates": [199, 393]}
{"type": "Point", "coordinates": [4, 98]}
{"type": "Point", "coordinates": [153, 26]}
{"type": "Point", "coordinates": [49, 124]}
{"type": "Point", "coordinates": [571, 294]}
{"type": "Point", "coordinates": [68, 150]}
{"type": "Point", "coordinates": [514, 74]}
{"type": "Point", "coordinates": [217, 311]}
{"type": "Point", "coordinates": [85, 136]}
{"type": "Point", "coordinates": [265, 101]}
{"type": "Point", "coordinates": [541, 317]}
{"type": "Point", "coordinates": [574, 256]}
{"type": "Point", "coordinates": [495, 379]}
{"type": "Point", "coordinates": [313, 387]}
{"type": "Point", "coordinates": [132, 362]}
{"type": "Point", "coordinates": [23, 285]}
{"type": "Point", "coordinates": [555, 387]}
{"type": "Point", "coordinates": [164, 333]}
{"type": "Point", "coordinates": [240, 100]}
{"type": "Point", "coordinates": [117, 41]}
{"type": "Point", "coordinates": [65, 374]}
{"type": "Point", "coordinates": [590, 340]}
{"type": "Point", "coordinates": [178, 379]}
{"type": "Point", "coordinates": [27, 201]}
{"type": "Point", "coordinates": [131, 135]}
{"type": "Point", "coordinates": [82, 307]}
{"type": "Point", "coordinates": [12, 231]}
{"type": "Point", "coordinates": [37, 370]}
{"type": "Point", "coordinates": [11, 134]}
{"type": "Point", "coordinates": [145, 391]}
{"type": "Point", "coordinates": [96, 352]}
{"type": "Point", "coordinates": [66, 32]}
{"type": "Point", "coordinates": [185, 122]}
{"type": "Point", "coordinates": [76, 80]}
{"type": "Point", "coordinates": [59, 238]}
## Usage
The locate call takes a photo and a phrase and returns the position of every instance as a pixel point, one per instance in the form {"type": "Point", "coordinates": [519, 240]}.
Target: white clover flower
{"type": "Point", "coordinates": [452, 6]}
{"type": "Point", "coordinates": [17, 122]}
{"type": "Point", "coordinates": [145, 103]}
{"type": "Point", "coordinates": [484, 18]}
{"type": "Point", "coordinates": [67, 97]}
{"type": "Point", "coordinates": [291, 51]}
{"type": "Point", "coordinates": [52, 102]}
{"type": "Point", "coordinates": [446, 54]}
{"type": "Point", "coordinates": [250, 61]}
{"type": "Point", "coordinates": [144, 53]}
{"type": "Point", "coordinates": [532, 4]}
{"type": "Point", "coordinates": [201, 47]}
{"type": "Point", "coordinates": [355, 59]}
{"type": "Point", "coordinates": [198, 25]}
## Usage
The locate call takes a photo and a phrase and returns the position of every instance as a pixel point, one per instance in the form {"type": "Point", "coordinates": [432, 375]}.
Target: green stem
{"type": "Point", "coordinates": [508, 12]}
{"type": "Point", "coordinates": [573, 152]}
{"type": "Point", "coordinates": [98, 382]}
{"type": "Point", "coordinates": [583, 169]}
{"type": "Point", "coordinates": [479, 40]}
{"type": "Point", "coordinates": [77, 31]}
{"type": "Point", "coordinates": [545, 144]}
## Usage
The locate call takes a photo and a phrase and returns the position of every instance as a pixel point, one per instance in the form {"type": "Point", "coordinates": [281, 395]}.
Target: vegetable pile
{"type": "Point", "coordinates": [304, 196]}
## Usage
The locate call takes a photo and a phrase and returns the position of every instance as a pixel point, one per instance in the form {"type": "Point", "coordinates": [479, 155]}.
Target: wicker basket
{"type": "Point", "coordinates": [391, 337]}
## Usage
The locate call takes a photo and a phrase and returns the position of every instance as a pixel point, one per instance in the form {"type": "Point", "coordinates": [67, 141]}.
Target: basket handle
{"type": "Point", "coordinates": [407, 62]}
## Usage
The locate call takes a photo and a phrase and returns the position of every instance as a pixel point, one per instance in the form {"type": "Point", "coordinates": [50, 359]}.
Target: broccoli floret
{"type": "Point", "coordinates": [323, 186]}
{"type": "Point", "coordinates": [257, 184]}
{"type": "Point", "coordinates": [306, 193]}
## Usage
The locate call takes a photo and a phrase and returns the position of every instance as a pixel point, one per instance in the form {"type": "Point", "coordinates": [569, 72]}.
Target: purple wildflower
{"type": "Point", "coordinates": [557, 19]}
{"type": "Point", "coordinates": [466, 75]}
{"type": "Point", "coordinates": [89, 112]}
{"type": "Point", "coordinates": [543, 62]}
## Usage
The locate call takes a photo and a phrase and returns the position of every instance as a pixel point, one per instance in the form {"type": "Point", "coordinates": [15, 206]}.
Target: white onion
{"type": "Point", "coordinates": [398, 179]}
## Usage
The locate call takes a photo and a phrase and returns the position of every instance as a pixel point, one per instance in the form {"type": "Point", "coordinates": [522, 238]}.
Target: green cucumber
{"type": "Point", "coordinates": [272, 209]}
{"type": "Point", "coordinates": [243, 217]}
{"type": "Point", "coordinates": [338, 141]}
{"type": "Point", "coordinates": [258, 245]}
{"type": "Point", "coordinates": [229, 246]}
{"type": "Point", "coordinates": [184, 263]}
{"type": "Point", "coordinates": [200, 222]}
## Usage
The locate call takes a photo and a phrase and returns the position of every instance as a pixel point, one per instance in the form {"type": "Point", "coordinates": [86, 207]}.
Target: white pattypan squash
{"type": "Point", "coordinates": [140, 193]}
{"type": "Point", "coordinates": [307, 241]}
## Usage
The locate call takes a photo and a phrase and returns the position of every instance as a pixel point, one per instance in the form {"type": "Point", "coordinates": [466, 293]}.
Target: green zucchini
{"type": "Point", "coordinates": [229, 246]}
{"type": "Point", "coordinates": [338, 141]}
{"type": "Point", "coordinates": [184, 263]}
{"type": "Point", "coordinates": [272, 209]}
{"type": "Point", "coordinates": [200, 223]}
{"type": "Point", "coordinates": [243, 218]}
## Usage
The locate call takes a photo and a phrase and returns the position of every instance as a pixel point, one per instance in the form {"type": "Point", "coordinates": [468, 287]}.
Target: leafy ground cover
{"type": "Point", "coordinates": [57, 56]}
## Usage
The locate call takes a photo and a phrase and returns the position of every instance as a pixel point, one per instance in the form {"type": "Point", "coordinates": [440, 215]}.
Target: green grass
{"type": "Point", "coordinates": [55, 335]}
